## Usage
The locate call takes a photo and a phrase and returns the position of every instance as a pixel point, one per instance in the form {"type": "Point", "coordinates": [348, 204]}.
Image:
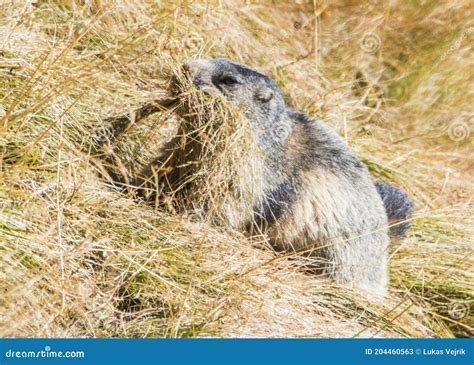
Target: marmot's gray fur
{"type": "Point", "coordinates": [318, 197]}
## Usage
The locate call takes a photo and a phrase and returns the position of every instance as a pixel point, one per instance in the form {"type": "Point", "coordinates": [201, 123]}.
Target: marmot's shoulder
{"type": "Point", "coordinates": [321, 146]}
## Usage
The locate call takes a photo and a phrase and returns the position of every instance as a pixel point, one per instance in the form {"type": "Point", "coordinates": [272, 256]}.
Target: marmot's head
{"type": "Point", "coordinates": [256, 93]}
{"type": "Point", "coordinates": [222, 152]}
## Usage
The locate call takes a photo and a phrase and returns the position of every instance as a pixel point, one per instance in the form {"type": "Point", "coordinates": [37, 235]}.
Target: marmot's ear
{"type": "Point", "coordinates": [264, 93]}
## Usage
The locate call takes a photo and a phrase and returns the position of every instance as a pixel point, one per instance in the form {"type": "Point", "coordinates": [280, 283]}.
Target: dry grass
{"type": "Point", "coordinates": [81, 258]}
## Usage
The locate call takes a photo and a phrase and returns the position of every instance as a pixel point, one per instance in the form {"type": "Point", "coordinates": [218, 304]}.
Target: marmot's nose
{"type": "Point", "coordinates": [192, 67]}
{"type": "Point", "coordinates": [189, 67]}
{"type": "Point", "coordinates": [186, 68]}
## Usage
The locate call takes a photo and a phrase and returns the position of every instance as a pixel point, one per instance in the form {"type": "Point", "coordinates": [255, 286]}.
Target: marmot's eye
{"type": "Point", "coordinates": [228, 80]}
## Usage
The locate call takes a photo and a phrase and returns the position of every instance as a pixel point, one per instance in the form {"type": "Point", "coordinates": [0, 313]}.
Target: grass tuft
{"type": "Point", "coordinates": [82, 258]}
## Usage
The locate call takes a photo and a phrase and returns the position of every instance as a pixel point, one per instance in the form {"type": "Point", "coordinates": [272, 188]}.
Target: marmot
{"type": "Point", "coordinates": [294, 179]}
